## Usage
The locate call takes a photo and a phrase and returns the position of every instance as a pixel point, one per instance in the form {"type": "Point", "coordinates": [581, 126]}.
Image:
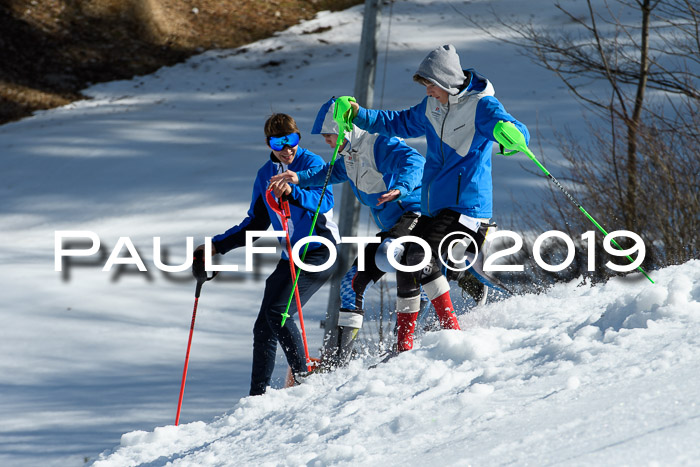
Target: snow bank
{"type": "Point", "coordinates": [578, 375]}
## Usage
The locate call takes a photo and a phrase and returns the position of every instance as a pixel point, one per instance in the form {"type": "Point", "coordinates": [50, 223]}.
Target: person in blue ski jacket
{"type": "Point", "coordinates": [457, 118]}
{"type": "Point", "coordinates": [385, 175]}
{"type": "Point", "coordinates": [282, 137]}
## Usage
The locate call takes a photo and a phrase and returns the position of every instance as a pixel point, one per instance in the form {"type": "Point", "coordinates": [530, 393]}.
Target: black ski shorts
{"type": "Point", "coordinates": [433, 230]}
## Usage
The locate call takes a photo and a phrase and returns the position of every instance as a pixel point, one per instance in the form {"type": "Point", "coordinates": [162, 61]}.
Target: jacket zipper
{"type": "Point", "coordinates": [459, 185]}
{"type": "Point", "coordinates": [428, 197]}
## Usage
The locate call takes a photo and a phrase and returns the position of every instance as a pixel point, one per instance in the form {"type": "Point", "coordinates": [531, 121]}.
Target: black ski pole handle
{"type": "Point", "coordinates": [199, 272]}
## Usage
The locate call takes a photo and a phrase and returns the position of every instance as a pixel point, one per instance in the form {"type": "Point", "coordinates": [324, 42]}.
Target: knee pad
{"type": "Point", "coordinates": [381, 257]}
{"type": "Point", "coordinates": [436, 287]}
{"type": "Point", "coordinates": [350, 318]}
{"type": "Point", "coordinates": [408, 304]}
{"type": "Point", "coordinates": [415, 255]}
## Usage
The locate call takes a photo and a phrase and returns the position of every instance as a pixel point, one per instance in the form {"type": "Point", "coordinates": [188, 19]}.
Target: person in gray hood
{"type": "Point", "coordinates": [457, 118]}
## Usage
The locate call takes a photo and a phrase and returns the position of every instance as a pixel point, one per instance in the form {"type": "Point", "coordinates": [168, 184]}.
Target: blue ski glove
{"type": "Point", "coordinates": [343, 114]}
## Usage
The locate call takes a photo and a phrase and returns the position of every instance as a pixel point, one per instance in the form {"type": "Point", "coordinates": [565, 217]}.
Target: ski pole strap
{"type": "Point", "coordinates": [272, 202]}
{"type": "Point", "coordinates": [281, 207]}
{"type": "Point", "coordinates": [502, 151]}
{"type": "Point", "coordinates": [201, 282]}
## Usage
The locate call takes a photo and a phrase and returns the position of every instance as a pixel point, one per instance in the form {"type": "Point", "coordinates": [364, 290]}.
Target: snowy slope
{"type": "Point", "coordinates": [583, 375]}
{"type": "Point", "coordinates": [89, 355]}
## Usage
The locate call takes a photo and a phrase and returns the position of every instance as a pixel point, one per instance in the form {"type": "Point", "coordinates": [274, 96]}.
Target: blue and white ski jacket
{"type": "Point", "coordinates": [457, 173]}
{"type": "Point", "coordinates": [373, 165]}
{"type": "Point", "coordinates": [302, 204]}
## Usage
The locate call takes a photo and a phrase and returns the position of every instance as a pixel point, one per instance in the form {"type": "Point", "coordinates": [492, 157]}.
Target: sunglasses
{"type": "Point", "coordinates": [278, 143]}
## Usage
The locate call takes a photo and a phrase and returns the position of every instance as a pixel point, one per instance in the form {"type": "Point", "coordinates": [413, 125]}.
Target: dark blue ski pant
{"type": "Point", "coordinates": [268, 331]}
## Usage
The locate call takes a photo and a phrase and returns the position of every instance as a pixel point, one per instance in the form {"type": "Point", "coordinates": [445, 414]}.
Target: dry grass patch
{"type": "Point", "coordinates": [51, 49]}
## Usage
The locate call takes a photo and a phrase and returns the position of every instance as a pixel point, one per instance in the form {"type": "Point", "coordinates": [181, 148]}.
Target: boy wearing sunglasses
{"type": "Point", "coordinates": [385, 175]}
{"type": "Point", "coordinates": [282, 137]}
{"type": "Point", "coordinates": [457, 118]}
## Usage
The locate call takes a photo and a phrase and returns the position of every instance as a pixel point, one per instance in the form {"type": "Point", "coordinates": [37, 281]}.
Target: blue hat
{"type": "Point", "coordinates": [324, 123]}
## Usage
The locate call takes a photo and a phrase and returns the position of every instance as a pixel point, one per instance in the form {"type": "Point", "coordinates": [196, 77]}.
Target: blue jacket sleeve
{"type": "Point", "coordinates": [408, 123]}
{"type": "Point", "coordinates": [394, 156]}
{"type": "Point", "coordinates": [490, 111]}
{"type": "Point", "coordinates": [257, 219]}
{"type": "Point", "coordinates": [308, 198]}
{"type": "Point", "coordinates": [315, 176]}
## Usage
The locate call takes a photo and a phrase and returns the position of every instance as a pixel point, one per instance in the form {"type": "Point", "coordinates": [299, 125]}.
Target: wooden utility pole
{"type": "Point", "coordinates": [348, 212]}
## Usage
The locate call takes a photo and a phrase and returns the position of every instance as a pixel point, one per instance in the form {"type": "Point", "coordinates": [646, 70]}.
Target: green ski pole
{"type": "Point", "coordinates": [343, 126]}
{"type": "Point", "coordinates": [508, 135]}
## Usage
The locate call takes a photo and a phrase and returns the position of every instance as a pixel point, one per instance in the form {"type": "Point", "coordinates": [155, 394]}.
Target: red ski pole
{"type": "Point", "coordinates": [201, 276]}
{"type": "Point", "coordinates": [282, 209]}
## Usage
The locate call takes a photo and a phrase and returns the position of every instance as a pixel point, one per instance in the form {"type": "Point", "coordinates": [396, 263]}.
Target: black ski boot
{"type": "Point", "coordinates": [473, 286]}
{"type": "Point", "coordinates": [346, 340]}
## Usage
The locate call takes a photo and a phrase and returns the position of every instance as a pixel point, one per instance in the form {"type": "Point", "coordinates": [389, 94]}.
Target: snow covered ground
{"type": "Point", "coordinates": [604, 375]}
{"type": "Point", "coordinates": [583, 375]}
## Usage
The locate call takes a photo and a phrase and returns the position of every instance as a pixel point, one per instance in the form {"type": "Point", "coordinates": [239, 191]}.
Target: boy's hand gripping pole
{"type": "Point", "coordinates": [508, 135]}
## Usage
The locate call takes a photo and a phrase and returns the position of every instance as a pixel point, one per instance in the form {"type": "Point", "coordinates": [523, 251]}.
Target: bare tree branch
{"type": "Point", "coordinates": [642, 172]}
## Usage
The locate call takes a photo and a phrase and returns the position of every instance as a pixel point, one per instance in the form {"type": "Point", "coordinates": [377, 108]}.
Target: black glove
{"type": "Point", "coordinates": [404, 226]}
{"type": "Point", "coordinates": [198, 266]}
